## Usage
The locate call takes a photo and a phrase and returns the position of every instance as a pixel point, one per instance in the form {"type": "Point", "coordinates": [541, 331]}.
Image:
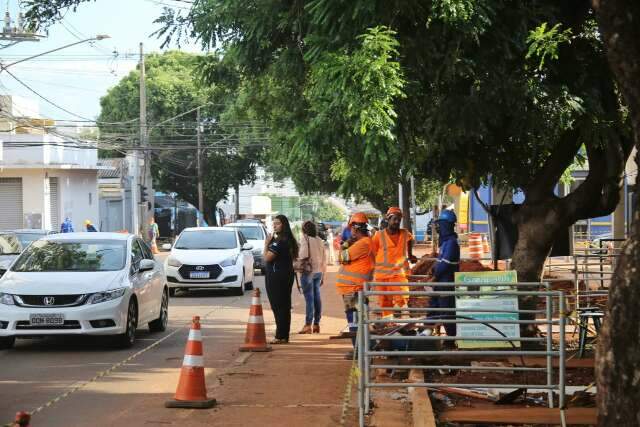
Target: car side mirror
{"type": "Point", "coordinates": [146, 265]}
{"type": "Point", "coordinates": [247, 247]}
{"type": "Point", "coordinates": [166, 247]}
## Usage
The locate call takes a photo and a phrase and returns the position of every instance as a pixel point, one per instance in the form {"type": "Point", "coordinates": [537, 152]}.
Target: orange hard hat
{"type": "Point", "coordinates": [394, 210]}
{"type": "Point", "coordinates": [358, 217]}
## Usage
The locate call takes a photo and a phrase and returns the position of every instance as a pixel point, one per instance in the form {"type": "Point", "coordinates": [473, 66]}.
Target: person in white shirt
{"type": "Point", "coordinates": [312, 247]}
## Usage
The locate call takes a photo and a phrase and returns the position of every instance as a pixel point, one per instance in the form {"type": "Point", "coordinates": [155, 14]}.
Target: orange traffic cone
{"type": "Point", "coordinates": [255, 338]}
{"type": "Point", "coordinates": [22, 419]}
{"type": "Point", "coordinates": [191, 391]}
{"type": "Point", "coordinates": [475, 246]}
{"type": "Point", "coordinates": [485, 244]}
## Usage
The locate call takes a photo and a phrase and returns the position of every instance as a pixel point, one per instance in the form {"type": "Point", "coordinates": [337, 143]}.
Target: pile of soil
{"type": "Point", "coordinates": [423, 268]}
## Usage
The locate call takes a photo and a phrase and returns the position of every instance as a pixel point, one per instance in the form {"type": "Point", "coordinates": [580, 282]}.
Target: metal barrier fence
{"type": "Point", "coordinates": [368, 341]}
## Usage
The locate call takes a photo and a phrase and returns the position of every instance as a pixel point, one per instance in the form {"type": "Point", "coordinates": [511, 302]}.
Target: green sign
{"type": "Point", "coordinates": [499, 280]}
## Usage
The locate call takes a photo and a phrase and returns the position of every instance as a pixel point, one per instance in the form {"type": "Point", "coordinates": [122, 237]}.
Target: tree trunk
{"type": "Point", "coordinates": [406, 206]}
{"type": "Point", "coordinates": [210, 215]}
{"type": "Point", "coordinates": [537, 227]}
{"type": "Point", "coordinates": [618, 352]}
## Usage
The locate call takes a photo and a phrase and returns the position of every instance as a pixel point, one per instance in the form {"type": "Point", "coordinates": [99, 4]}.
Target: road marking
{"type": "Point", "coordinates": [242, 359]}
{"type": "Point", "coordinates": [115, 366]}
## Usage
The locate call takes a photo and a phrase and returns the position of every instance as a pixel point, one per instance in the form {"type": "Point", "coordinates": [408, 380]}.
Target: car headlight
{"type": "Point", "coordinates": [171, 261]}
{"type": "Point", "coordinates": [230, 261]}
{"type": "Point", "coordinates": [99, 297]}
{"type": "Point", "coordinates": [6, 299]}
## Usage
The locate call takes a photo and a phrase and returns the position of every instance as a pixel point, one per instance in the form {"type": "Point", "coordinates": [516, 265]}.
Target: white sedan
{"type": "Point", "coordinates": [83, 284]}
{"type": "Point", "coordinates": [210, 257]}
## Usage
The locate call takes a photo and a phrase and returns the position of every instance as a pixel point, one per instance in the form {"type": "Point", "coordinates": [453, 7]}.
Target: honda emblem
{"type": "Point", "coordinates": [49, 300]}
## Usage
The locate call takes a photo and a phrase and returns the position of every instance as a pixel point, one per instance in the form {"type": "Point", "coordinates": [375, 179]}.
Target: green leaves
{"type": "Point", "coordinates": [544, 43]}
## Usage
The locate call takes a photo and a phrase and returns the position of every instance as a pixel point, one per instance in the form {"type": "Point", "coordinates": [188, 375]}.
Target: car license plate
{"type": "Point", "coordinates": [47, 319]}
{"type": "Point", "coordinates": [199, 275]}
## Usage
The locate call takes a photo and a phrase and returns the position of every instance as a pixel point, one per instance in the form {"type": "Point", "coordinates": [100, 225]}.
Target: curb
{"type": "Point", "coordinates": [421, 409]}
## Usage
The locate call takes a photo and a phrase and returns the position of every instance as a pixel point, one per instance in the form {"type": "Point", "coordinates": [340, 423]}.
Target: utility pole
{"type": "Point", "coordinates": [140, 176]}
{"type": "Point", "coordinates": [199, 161]}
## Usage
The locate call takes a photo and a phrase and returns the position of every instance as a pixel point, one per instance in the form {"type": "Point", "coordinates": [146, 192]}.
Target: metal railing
{"type": "Point", "coordinates": [368, 341]}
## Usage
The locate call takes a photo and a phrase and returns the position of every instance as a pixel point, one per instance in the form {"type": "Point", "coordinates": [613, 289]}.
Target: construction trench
{"type": "Point", "coordinates": [412, 374]}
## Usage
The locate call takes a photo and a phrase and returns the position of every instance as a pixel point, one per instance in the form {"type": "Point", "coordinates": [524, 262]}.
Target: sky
{"type": "Point", "coordinates": [76, 77]}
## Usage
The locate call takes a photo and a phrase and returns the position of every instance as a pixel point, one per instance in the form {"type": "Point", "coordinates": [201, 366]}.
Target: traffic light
{"type": "Point", "coordinates": [144, 195]}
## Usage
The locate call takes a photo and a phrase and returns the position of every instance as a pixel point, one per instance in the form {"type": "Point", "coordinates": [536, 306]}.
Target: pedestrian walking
{"type": "Point", "coordinates": [312, 276]}
{"type": "Point", "coordinates": [447, 265]}
{"type": "Point", "coordinates": [89, 226]}
{"type": "Point", "coordinates": [280, 250]}
{"type": "Point", "coordinates": [356, 268]}
{"type": "Point", "coordinates": [153, 232]}
{"type": "Point", "coordinates": [67, 226]}
{"type": "Point", "coordinates": [393, 248]}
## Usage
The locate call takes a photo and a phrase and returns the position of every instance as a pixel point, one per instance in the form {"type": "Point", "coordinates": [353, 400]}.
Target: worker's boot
{"type": "Point", "coordinates": [316, 329]}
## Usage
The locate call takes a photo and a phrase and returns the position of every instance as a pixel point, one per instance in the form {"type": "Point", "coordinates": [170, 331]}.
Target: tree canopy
{"type": "Point", "coordinates": [173, 90]}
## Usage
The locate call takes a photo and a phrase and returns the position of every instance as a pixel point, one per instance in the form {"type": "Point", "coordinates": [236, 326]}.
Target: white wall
{"type": "Point", "coordinates": [77, 194]}
{"type": "Point", "coordinates": [66, 156]}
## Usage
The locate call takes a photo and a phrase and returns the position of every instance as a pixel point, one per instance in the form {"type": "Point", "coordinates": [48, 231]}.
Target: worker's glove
{"type": "Point", "coordinates": [413, 259]}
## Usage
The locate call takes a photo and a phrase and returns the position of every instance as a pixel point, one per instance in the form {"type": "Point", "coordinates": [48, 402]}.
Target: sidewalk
{"type": "Point", "coordinates": [302, 383]}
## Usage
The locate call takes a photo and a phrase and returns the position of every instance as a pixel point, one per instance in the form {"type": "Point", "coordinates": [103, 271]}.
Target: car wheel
{"type": "Point", "coordinates": [7, 342]}
{"type": "Point", "coordinates": [127, 339]}
{"type": "Point", "coordinates": [160, 324]}
{"type": "Point", "coordinates": [172, 292]}
{"type": "Point", "coordinates": [239, 291]}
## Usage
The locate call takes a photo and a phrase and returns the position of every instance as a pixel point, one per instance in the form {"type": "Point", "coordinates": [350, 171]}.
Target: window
{"type": "Point", "coordinates": [252, 233]}
{"type": "Point", "coordinates": [136, 254]}
{"type": "Point", "coordinates": [214, 239]}
{"type": "Point", "coordinates": [145, 250]}
{"type": "Point", "coordinates": [83, 255]}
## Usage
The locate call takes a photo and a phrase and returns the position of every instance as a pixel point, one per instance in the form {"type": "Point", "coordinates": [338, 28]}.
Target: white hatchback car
{"type": "Point", "coordinates": [210, 257]}
{"type": "Point", "coordinates": [83, 283]}
{"type": "Point", "coordinates": [255, 233]}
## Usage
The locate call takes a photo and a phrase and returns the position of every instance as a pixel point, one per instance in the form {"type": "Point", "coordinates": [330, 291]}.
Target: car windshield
{"type": "Point", "coordinates": [10, 245]}
{"type": "Point", "coordinates": [67, 255]}
{"type": "Point", "coordinates": [27, 238]}
{"type": "Point", "coordinates": [251, 233]}
{"type": "Point", "coordinates": [214, 239]}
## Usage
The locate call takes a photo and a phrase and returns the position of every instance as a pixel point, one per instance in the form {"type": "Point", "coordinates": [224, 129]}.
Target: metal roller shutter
{"type": "Point", "coordinates": [10, 203]}
{"type": "Point", "coordinates": [53, 204]}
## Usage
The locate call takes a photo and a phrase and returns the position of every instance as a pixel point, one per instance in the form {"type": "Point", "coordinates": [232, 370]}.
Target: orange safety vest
{"type": "Point", "coordinates": [391, 260]}
{"type": "Point", "coordinates": [357, 266]}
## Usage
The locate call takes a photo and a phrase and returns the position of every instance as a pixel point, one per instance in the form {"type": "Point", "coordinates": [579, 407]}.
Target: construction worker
{"type": "Point", "coordinates": [89, 226]}
{"type": "Point", "coordinates": [356, 268]}
{"type": "Point", "coordinates": [393, 249]}
{"type": "Point", "coordinates": [447, 265]}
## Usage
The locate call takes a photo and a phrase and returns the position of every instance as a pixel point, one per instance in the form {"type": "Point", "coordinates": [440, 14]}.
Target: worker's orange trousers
{"type": "Point", "coordinates": [400, 300]}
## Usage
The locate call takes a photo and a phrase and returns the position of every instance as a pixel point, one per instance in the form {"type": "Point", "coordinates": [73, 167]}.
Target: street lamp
{"type": "Point", "coordinates": [98, 37]}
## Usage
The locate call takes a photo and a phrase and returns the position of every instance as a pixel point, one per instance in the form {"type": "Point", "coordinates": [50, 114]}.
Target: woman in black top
{"type": "Point", "coordinates": [279, 251]}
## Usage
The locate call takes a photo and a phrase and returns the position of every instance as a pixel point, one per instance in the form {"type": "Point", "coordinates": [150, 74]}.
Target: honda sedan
{"type": "Point", "coordinates": [83, 284]}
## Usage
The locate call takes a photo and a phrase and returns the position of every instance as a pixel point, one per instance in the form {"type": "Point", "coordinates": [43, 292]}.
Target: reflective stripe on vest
{"type": "Point", "coordinates": [343, 272]}
{"type": "Point", "coordinates": [385, 267]}
{"type": "Point", "coordinates": [351, 278]}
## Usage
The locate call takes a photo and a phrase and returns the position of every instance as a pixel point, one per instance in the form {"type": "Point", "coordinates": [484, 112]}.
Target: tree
{"type": "Point", "coordinates": [462, 89]}
{"type": "Point", "coordinates": [618, 355]}
{"type": "Point", "coordinates": [173, 89]}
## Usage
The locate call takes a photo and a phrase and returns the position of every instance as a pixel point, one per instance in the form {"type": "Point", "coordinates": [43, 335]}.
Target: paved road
{"type": "Point", "coordinates": [37, 371]}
